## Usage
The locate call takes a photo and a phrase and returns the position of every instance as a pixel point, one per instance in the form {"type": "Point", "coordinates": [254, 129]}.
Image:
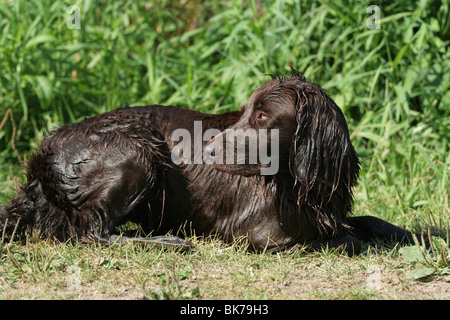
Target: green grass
{"type": "Point", "coordinates": [44, 270]}
{"type": "Point", "coordinates": [392, 84]}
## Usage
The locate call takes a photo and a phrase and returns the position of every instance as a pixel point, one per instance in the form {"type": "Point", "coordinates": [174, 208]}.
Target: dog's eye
{"type": "Point", "coordinates": [262, 116]}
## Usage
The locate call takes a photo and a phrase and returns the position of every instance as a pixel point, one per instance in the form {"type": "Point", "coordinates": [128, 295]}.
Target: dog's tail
{"type": "Point", "coordinates": [16, 218]}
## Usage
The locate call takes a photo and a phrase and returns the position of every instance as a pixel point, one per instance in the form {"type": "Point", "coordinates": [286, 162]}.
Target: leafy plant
{"type": "Point", "coordinates": [170, 287]}
{"type": "Point", "coordinates": [428, 263]}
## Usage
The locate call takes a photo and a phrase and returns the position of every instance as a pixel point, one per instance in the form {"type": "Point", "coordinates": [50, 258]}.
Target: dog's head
{"type": "Point", "coordinates": [298, 119]}
{"type": "Point", "coordinates": [295, 124]}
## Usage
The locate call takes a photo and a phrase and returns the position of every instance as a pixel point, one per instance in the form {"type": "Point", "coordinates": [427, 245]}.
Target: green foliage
{"type": "Point", "coordinates": [170, 287]}
{"type": "Point", "coordinates": [429, 263]}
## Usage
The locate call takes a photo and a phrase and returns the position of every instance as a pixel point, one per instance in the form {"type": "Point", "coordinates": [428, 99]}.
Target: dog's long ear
{"type": "Point", "coordinates": [323, 160]}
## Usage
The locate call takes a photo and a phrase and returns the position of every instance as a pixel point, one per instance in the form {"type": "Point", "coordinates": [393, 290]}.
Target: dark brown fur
{"type": "Point", "coordinates": [87, 178]}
